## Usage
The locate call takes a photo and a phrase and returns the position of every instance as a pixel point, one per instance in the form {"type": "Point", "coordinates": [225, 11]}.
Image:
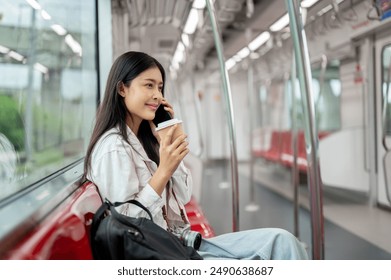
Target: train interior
{"type": "Point", "coordinates": [62, 60]}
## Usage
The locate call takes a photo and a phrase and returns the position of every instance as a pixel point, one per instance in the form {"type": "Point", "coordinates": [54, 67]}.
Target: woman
{"type": "Point", "coordinates": [126, 159]}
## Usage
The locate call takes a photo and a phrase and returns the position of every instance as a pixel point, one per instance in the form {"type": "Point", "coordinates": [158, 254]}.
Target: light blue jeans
{"type": "Point", "coordinates": [256, 244]}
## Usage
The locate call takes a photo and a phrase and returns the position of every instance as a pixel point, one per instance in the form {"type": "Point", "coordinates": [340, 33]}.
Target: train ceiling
{"type": "Point", "coordinates": [156, 27]}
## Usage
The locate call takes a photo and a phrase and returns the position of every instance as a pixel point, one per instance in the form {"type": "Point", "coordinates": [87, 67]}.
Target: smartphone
{"type": "Point", "coordinates": [161, 115]}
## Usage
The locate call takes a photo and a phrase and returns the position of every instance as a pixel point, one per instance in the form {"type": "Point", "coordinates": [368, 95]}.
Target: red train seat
{"type": "Point", "coordinates": [198, 220]}
{"type": "Point", "coordinates": [64, 234]}
{"type": "Point", "coordinates": [280, 149]}
{"type": "Point", "coordinates": [273, 154]}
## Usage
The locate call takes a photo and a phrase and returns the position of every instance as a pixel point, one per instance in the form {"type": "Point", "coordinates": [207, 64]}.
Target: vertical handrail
{"type": "Point", "coordinates": [384, 123]}
{"type": "Point", "coordinates": [294, 171]}
{"type": "Point", "coordinates": [311, 135]}
{"type": "Point", "coordinates": [323, 67]}
{"type": "Point", "coordinates": [385, 103]}
{"type": "Point", "coordinates": [198, 115]}
{"type": "Point", "coordinates": [230, 115]}
{"type": "Point", "coordinates": [29, 122]}
{"type": "Point", "coordinates": [252, 206]}
{"type": "Point", "coordinates": [372, 131]}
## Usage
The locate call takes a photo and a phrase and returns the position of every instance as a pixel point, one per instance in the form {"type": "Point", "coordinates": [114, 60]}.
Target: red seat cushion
{"type": "Point", "coordinates": [64, 234]}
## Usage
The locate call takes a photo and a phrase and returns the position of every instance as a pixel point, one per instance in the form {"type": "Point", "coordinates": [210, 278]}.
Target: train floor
{"type": "Point", "coordinates": [353, 230]}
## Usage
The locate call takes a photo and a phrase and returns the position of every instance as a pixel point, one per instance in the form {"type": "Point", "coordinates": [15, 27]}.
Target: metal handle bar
{"type": "Point", "coordinates": [311, 135]}
{"type": "Point", "coordinates": [230, 115]}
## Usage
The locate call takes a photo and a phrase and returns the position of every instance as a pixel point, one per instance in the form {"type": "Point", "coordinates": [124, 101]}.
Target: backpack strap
{"type": "Point", "coordinates": [183, 216]}
{"type": "Point", "coordinates": [164, 209]}
{"type": "Point", "coordinates": [99, 215]}
{"type": "Point", "coordinates": [135, 202]}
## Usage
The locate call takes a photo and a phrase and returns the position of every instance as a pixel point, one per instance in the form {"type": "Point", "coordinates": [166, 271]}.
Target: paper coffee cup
{"type": "Point", "coordinates": [163, 127]}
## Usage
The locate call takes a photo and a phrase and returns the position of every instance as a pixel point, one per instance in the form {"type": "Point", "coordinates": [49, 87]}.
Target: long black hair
{"type": "Point", "coordinates": [112, 111]}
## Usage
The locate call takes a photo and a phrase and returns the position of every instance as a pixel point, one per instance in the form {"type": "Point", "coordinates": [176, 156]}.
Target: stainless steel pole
{"type": "Point", "coordinates": [294, 171]}
{"type": "Point", "coordinates": [230, 115]}
{"type": "Point", "coordinates": [197, 107]}
{"type": "Point", "coordinates": [311, 133]}
{"type": "Point", "coordinates": [29, 123]}
{"type": "Point", "coordinates": [252, 206]}
{"type": "Point", "coordinates": [385, 134]}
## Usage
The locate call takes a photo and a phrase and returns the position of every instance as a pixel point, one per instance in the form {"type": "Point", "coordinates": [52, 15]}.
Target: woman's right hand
{"type": "Point", "coordinates": [171, 152]}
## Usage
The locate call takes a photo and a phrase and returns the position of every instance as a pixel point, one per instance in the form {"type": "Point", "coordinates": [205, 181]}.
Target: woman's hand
{"type": "Point", "coordinates": [172, 151]}
{"type": "Point", "coordinates": [171, 154]}
{"type": "Point", "coordinates": [168, 107]}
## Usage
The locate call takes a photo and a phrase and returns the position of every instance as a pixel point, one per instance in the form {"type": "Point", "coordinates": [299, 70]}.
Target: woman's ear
{"type": "Point", "coordinates": [121, 89]}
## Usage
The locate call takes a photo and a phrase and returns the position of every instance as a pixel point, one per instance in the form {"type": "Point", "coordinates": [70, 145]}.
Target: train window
{"type": "Point", "coordinates": [326, 88]}
{"type": "Point", "coordinates": [316, 89]}
{"type": "Point", "coordinates": [48, 86]}
{"type": "Point", "coordinates": [386, 58]}
{"type": "Point", "coordinates": [327, 92]}
{"type": "Point", "coordinates": [261, 104]}
{"type": "Point", "coordinates": [335, 85]}
{"type": "Point", "coordinates": [262, 93]}
{"type": "Point", "coordinates": [298, 103]}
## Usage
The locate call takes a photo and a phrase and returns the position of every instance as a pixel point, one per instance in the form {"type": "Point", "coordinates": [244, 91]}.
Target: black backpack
{"type": "Point", "coordinates": [118, 237]}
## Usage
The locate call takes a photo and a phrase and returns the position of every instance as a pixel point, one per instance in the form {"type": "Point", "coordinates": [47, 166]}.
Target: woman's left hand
{"type": "Point", "coordinates": [168, 107]}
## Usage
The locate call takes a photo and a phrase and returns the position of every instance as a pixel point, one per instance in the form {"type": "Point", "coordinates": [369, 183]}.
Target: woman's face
{"type": "Point", "coordinates": [143, 96]}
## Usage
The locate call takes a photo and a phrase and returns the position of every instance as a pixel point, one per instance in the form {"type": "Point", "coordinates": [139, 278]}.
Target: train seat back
{"type": "Point", "coordinates": [64, 234]}
{"type": "Point", "coordinates": [280, 148]}
{"type": "Point", "coordinates": [197, 219]}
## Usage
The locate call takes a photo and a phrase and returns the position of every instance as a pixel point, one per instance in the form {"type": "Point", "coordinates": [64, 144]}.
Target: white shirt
{"type": "Point", "coordinates": [122, 172]}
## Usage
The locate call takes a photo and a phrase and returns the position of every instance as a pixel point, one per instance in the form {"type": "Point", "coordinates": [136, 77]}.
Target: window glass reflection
{"type": "Point", "coordinates": [386, 58]}
{"type": "Point", "coordinates": [48, 87]}
{"type": "Point", "coordinates": [327, 91]}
